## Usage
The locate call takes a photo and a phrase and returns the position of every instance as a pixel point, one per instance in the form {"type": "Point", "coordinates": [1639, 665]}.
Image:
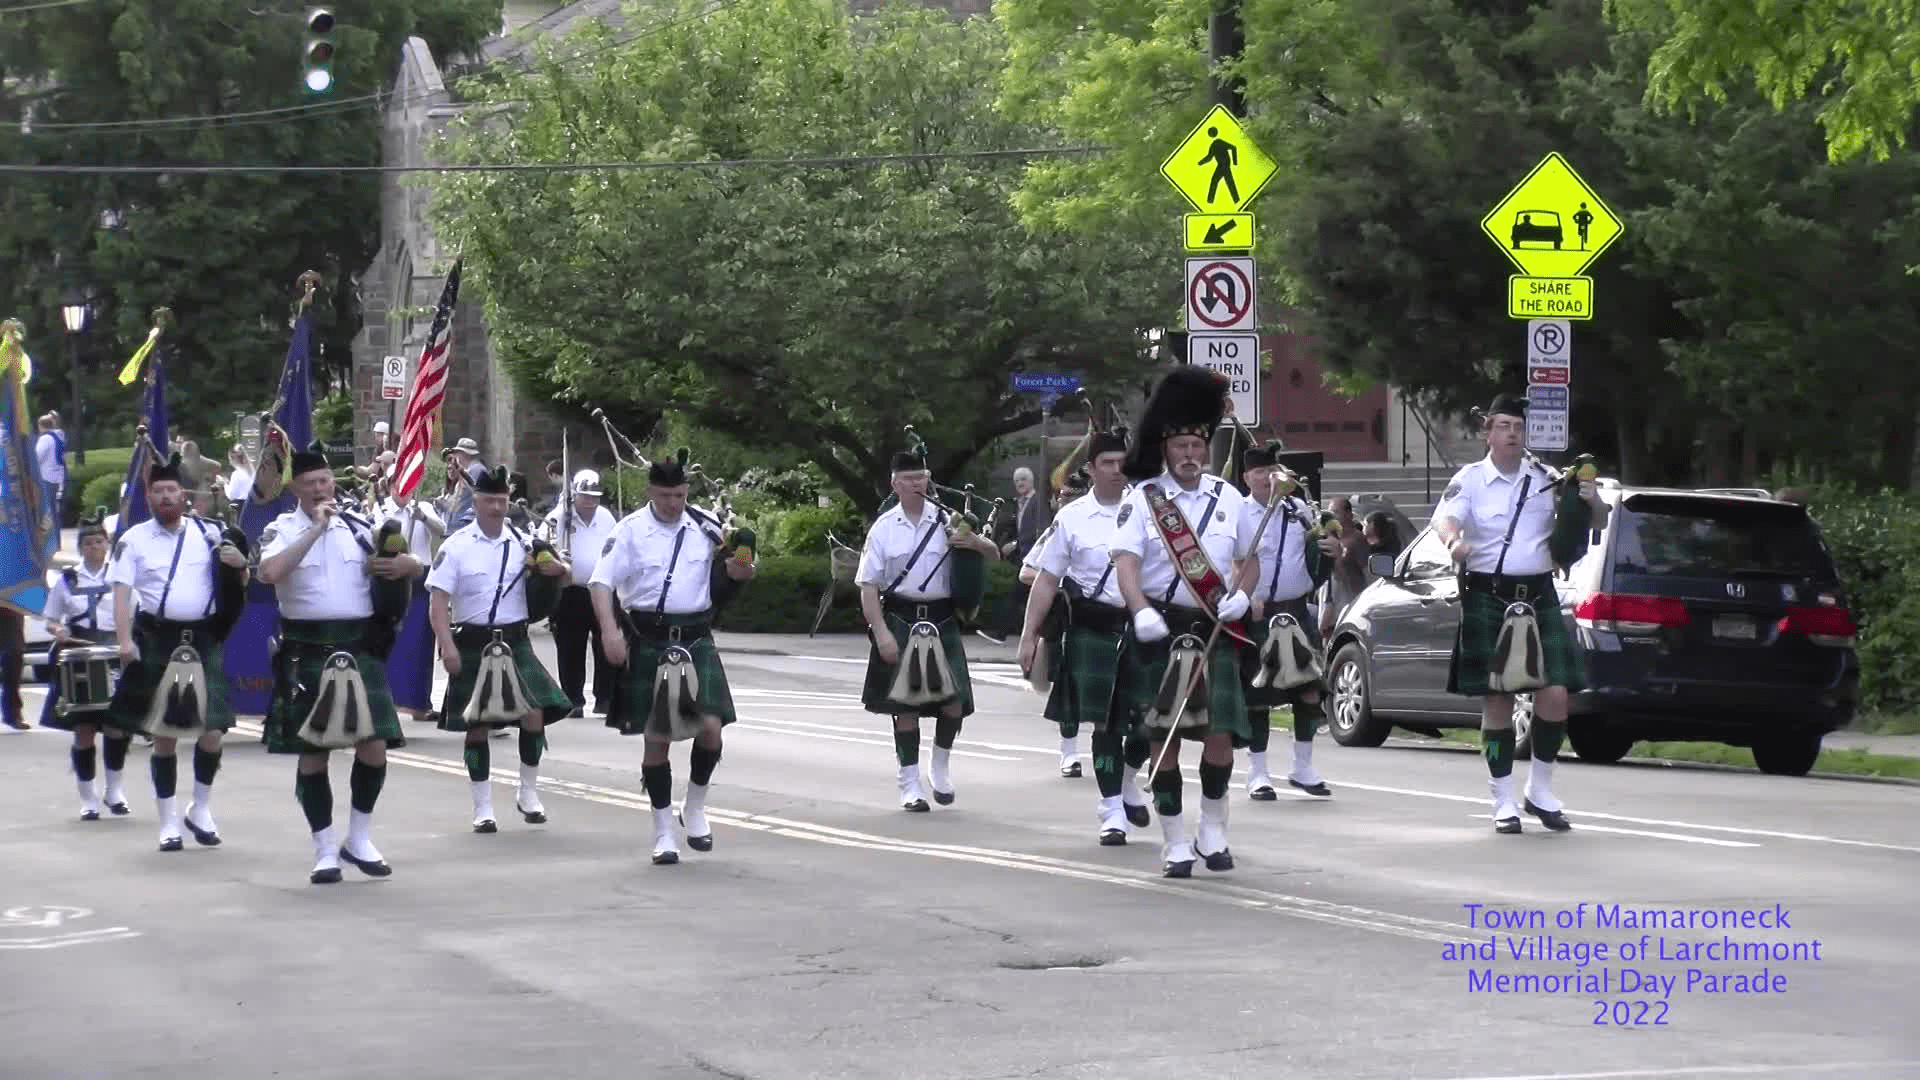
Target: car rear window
{"type": "Point", "coordinates": [1681, 536]}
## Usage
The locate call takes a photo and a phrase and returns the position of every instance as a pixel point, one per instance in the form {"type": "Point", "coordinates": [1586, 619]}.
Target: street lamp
{"type": "Point", "coordinates": [74, 312]}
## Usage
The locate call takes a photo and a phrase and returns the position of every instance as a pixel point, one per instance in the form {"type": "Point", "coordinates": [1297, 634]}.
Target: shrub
{"type": "Point", "coordinates": [102, 490]}
{"type": "Point", "coordinates": [1875, 543]}
{"type": "Point", "coordinates": [109, 462]}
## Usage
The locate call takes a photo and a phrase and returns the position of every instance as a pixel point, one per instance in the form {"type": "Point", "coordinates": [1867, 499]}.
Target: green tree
{"type": "Point", "coordinates": [809, 310]}
{"type": "Point", "coordinates": [1855, 58]}
{"type": "Point", "coordinates": [97, 84]}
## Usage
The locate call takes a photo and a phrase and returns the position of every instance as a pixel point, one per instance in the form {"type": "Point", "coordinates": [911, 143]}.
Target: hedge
{"type": "Point", "coordinates": [109, 462]}
{"type": "Point", "coordinates": [785, 593]}
{"type": "Point", "coordinates": [1875, 542]}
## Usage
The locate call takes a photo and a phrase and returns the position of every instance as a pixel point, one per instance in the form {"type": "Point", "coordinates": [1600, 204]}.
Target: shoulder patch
{"type": "Point", "coordinates": [1126, 511]}
{"type": "Point", "coordinates": [119, 548]}
{"type": "Point", "coordinates": [607, 548]}
{"type": "Point", "coordinates": [439, 557]}
{"type": "Point", "coordinates": [1452, 492]}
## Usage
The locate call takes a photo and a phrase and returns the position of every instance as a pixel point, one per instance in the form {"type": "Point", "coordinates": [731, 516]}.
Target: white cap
{"type": "Point", "coordinates": [586, 482]}
{"type": "Point", "coordinates": [380, 428]}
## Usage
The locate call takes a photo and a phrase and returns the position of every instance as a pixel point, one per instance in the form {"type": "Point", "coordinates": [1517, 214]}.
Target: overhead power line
{"type": "Point", "coordinates": [11, 8]}
{"type": "Point", "coordinates": [562, 167]}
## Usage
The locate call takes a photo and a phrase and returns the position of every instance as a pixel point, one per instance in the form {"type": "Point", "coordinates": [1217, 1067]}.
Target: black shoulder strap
{"type": "Point", "coordinates": [1526, 481]}
{"type": "Point", "coordinates": [925, 539]}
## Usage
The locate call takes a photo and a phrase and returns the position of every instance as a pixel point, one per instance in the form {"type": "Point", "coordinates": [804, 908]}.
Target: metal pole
{"type": "Point", "coordinates": [76, 438]}
{"type": "Point", "coordinates": [1225, 41]}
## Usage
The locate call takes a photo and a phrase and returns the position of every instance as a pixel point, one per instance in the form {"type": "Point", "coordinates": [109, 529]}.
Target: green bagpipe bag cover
{"type": "Point", "coordinates": [391, 595]}
{"type": "Point", "coordinates": [1572, 517]}
{"type": "Point", "coordinates": [969, 578]}
{"type": "Point", "coordinates": [543, 591]}
{"type": "Point", "coordinates": [230, 586]}
{"type": "Point", "coordinates": [743, 546]}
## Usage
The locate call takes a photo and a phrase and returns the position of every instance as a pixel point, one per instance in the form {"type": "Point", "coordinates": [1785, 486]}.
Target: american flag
{"type": "Point", "coordinates": [429, 390]}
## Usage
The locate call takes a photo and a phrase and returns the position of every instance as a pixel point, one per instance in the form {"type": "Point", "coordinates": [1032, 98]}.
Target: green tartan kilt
{"type": "Point", "coordinates": [873, 694]}
{"type": "Point", "coordinates": [296, 683]}
{"type": "Point", "coordinates": [1145, 665]}
{"type": "Point", "coordinates": [138, 679]}
{"type": "Point", "coordinates": [1087, 678]}
{"type": "Point", "coordinates": [541, 690]}
{"type": "Point", "coordinates": [1481, 613]}
{"type": "Point", "coordinates": [632, 706]}
{"type": "Point", "coordinates": [1273, 696]}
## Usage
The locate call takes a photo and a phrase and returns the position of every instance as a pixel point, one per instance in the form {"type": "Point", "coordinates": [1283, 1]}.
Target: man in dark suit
{"type": "Point", "coordinates": [1030, 518]}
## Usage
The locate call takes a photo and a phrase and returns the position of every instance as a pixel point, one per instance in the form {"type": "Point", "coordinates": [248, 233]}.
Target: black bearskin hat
{"type": "Point", "coordinates": [1190, 400]}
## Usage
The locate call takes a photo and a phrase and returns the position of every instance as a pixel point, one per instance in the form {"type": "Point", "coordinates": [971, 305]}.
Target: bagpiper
{"type": "Point", "coordinates": [1076, 625]}
{"type": "Point", "coordinates": [1508, 522]}
{"type": "Point", "coordinates": [917, 663]}
{"type": "Point", "coordinates": [332, 573]}
{"type": "Point", "coordinates": [79, 614]}
{"type": "Point", "coordinates": [1176, 530]}
{"type": "Point", "coordinates": [1285, 665]}
{"type": "Point", "coordinates": [179, 584]}
{"type": "Point", "coordinates": [657, 583]}
{"type": "Point", "coordinates": [489, 582]}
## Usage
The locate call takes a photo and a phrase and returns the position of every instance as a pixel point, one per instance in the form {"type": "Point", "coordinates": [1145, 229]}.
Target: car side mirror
{"type": "Point", "coordinates": [1380, 565]}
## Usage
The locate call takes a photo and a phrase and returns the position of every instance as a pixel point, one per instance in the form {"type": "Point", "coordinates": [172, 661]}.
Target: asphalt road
{"type": "Point", "coordinates": [829, 934]}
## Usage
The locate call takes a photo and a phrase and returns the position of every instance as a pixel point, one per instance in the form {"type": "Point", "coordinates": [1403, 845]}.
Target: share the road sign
{"type": "Point", "coordinates": [1552, 226]}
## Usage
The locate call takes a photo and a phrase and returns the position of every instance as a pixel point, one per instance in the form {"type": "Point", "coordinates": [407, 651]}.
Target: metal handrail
{"type": "Point", "coordinates": [1407, 407]}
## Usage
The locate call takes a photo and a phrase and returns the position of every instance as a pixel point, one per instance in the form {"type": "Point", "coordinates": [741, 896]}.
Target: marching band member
{"type": "Point", "coordinates": [78, 613]}
{"type": "Point", "coordinates": [1076, 566]}
{"type": "Point", "coordinates": [181, 573]}
{"type": "Point", "coordinates": [917, 665]}
{"type": "Point", "coordinates": [574, 623]}
{"type": "Point", "coordinates": [330, 687]}
{"type": "Point", "coordinates": [410, 664]}
{"type": "Point", "coordinates": [481, 603]}
{"type": "Point", "coordinates": [662, 564]}
{"type": "Point", "coordinates": [1291, 563]}
{"type": "Point", "coordinates": [1175, 601]}
{"type": "Point", "coordinates": [1072, 486]}
{"type": "Point", "coordinates": [1506, 543]}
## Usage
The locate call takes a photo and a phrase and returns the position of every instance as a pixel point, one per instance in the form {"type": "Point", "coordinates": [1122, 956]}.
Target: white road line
{"type": "Point", "coordinates": [1581, 825]}
{"type": "Point", "coordinates": [760, 723]}
{"type": "Point", "coordinates": [1707, 1070]}
{"type": "Point", "coordinates": [83, 937]}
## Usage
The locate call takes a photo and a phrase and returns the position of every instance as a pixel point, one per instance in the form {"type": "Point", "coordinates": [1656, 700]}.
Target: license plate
{"type": "Point", "coordinates": [1735, 628]}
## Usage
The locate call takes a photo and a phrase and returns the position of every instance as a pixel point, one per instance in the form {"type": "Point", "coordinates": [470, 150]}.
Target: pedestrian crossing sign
{"type": "Point", "coordinates": [1216, 167]}
{"type": "Point", "coordinates": [1552, 225]}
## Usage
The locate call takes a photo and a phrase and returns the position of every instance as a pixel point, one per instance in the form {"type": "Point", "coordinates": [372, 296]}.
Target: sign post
{"type": "Point", "coordinates": [1551, 226]}
{"type": "Point", "coordinates": [1218, 170]}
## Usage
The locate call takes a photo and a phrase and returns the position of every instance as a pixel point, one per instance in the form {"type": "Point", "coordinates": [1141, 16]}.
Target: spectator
{"type": "Point", "coordinates": [1027, 525]}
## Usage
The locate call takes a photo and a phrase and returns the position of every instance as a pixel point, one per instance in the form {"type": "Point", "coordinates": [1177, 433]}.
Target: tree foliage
{"type": "Point", "coordinates": [811, 310]}
{"type": "Point", "coordinates": [1732, 307]}
{"type": "Point", "coordinates": [1857, 58]}
{"type": "Point", "coordinates": [223, 251]}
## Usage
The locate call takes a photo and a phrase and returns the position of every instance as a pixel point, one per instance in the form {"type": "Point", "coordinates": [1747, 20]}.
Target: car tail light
{"type": "Point", "coordinates": [1822, 625]}
{"type": "Point", "coordinates": [1626, 613]}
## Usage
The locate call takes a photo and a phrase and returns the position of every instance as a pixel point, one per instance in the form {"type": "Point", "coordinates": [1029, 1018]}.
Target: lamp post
{"type": "Point", "coordinates": [75, 312]}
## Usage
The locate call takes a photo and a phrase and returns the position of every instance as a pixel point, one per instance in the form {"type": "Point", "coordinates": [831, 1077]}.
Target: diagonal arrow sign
{"type": "Point", "coordinates": [1217, 233]}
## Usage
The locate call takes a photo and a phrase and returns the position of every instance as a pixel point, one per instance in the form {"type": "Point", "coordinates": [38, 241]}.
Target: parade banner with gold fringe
{"type": "Point", "coordinates": [150, 440]}
{"type": "Point", "coordinates": [29, 525]}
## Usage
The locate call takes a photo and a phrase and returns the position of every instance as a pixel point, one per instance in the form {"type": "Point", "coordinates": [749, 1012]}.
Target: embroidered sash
{"type": "Point", "coordinates": [1189, 558]}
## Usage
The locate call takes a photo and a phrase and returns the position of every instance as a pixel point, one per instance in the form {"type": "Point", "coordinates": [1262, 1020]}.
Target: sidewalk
{"type": "Point", "coordinates": [979, 649]}
{"type": "Point", "coordinates": [1898, 745]}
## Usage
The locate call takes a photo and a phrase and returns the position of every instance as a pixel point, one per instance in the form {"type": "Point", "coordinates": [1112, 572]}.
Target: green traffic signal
{"type": "Point", "coordinates": [317, 52]}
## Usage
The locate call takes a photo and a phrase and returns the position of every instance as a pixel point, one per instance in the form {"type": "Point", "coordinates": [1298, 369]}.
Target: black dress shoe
{"type": "Point", "coordinates": [89, 815]}
{"type": "Point", "coordinates": [1138, 816]}
{"type": "Point", "coordinates": [1219, 861]}
{"type": "Point", "coordinates": [665, 858]}
{"type": "Point", "coordinates": [1177, 869]}
{"type": "Point", "coordinates": [577, 713]}
{"type": "Point", "coordinates": [118, 809]}
{"type": "Point", "coordinates": [944, 798]}
{"type": "Point", "coordinates": [329, 876]}
{"type": "Point", "coordinates": [697, 843]}
{"type": "Point", "coordinates": [1263, 793]}
{"type": "Point", "coordinates": [1507, 825]}
{"type": "Point", "coordinates": [533, 817]}
{"type": "Point", "coordinates": [369, 867]}
{"type": "Point", "coordinates": [200, 835]}
{"type": "Point", "coordinates": [1321, 789]}
{"type": "Point", "coordinates": [917, 806]}
{"type": "Point", "coordinates": [1113, 838]}
{"type": "Point", "coordinates": [486, 826]}
{"type": "Point", "coordinates": [173, 843]}
{"type": "Point", "coordinates": [1071, 770]}
{"type": "Point", "coordinates": [1554, 820]}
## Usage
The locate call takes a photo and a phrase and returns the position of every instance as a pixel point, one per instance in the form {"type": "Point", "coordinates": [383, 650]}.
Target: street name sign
{"type": "Point", "coordinates": [1217, 168]}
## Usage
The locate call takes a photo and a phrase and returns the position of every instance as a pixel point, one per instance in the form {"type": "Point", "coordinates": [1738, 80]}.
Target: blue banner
{"type": "Point", "coordinates": [153, 413]}
{"type": "Point", "coordinates": [29, 526]}
{"type": "Point", "coordinates": [249, 667]}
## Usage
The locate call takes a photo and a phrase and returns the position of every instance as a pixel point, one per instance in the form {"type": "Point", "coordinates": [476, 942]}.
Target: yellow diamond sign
{"type": "Point", "coordinates": [1551, 224]}
{"type": "Point", "coordinates": [1217, 168]}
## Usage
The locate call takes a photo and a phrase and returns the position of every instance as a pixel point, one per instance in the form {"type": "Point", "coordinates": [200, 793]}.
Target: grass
{"type": "Point", "coordinates": [1889, 724]}
{"type": "Point", "coordinates": [1841, 761]}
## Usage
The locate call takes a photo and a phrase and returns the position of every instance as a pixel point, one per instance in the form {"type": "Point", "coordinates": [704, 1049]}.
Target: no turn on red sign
{"type": "Point", "coordinates": [1220, 295]}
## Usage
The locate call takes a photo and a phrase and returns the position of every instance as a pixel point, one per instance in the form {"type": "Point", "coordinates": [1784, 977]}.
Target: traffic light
{"type": "Point", "coordinates": [316, 56]}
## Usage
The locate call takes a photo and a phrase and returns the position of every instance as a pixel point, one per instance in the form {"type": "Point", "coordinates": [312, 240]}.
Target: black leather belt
{"type": "Point", "coordinates": [933, 611]}
{"type": "Point", "coordinates": [672, 629]}
{"type": "Point", "coordinates": [1184, 620]}
{"type": "Point", "coordinates": [476, 634]}
{"type": "Point", "coordinates": [1100, 618]}
{"type": "Point", "coordinates": [1508, 586]}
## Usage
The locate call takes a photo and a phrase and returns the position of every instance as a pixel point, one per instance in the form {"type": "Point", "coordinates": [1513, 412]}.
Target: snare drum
{"type": "Point", "coordinates": [88, 676]}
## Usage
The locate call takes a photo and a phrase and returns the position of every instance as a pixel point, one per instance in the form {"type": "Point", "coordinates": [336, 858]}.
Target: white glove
{"type": "Point", "coordinates": [1234, 606]}
{"type": "Point", "coordinates": [1148, 626]}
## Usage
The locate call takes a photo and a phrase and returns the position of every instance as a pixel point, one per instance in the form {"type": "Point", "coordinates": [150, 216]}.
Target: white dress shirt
{"type": "Point", "coordinates": [1481, 498]}
{"type": "Point", "coordinates": [1292, 520]}
{"type": "Point", "coordinates": [646, 559]}
{"type": "Point", "coordinates": [1213, 511]}
{"type": "Point", "coordinates": [87, 602]}
{"type": "Point", "coordinates": [484, 577]}
{"type": "Point", "coordinates": [889, 549]}
{"type": "Point", "coordinates": [176, 590]}
{"type": "Point", "coordinates": [330, 581]}
{"type": "Point", "coordinates": [1078, 545]}
{"type": "Point", "coordinates": [589, 536]}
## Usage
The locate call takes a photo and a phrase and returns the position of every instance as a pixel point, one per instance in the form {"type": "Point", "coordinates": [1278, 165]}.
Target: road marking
{"type": "Point", "coordinates": [1583, 826]}
{"type": "Point", "coordinates": [792, 727]}
{"type": "Point", "coordinates": [61, 941]}
{"type": "Point", "coordinates": [1706, 1070]}
{"type": "Point", "coordinates": [43, 916]}
{"type": "Point", "coordinates": [49, 916]}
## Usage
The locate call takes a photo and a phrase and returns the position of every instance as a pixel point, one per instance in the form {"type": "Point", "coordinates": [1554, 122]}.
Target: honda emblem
{"type": "Point", "coordinates": [1736, 590]}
